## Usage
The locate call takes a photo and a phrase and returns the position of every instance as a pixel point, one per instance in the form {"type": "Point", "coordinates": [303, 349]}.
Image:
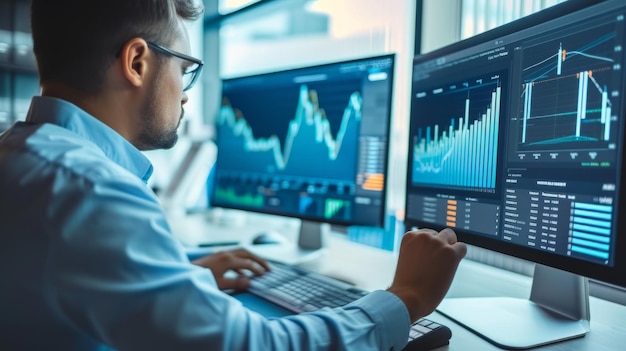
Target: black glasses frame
{"type": "Point", "coordinates": [195, 72]}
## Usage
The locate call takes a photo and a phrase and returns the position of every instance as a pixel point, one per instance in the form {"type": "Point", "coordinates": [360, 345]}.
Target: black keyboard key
{"type": "Point", "coordinates": [427, 335]}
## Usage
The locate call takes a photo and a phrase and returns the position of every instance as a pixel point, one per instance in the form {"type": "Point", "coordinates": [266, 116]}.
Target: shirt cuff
{"type": "Point", "coordinates": [390, 313]}
{"type": "Point", "coordinates": [194, 253]}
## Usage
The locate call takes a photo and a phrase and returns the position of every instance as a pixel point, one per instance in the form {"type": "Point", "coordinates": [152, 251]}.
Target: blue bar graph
{"type": "Point", "coordinates": [464, 154]}
{"type": "Point", "coordinates": [591, 229]}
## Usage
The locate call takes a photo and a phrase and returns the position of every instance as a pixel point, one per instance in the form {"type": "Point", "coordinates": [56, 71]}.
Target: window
{"type": "Point", "coordinates": [481, 15]}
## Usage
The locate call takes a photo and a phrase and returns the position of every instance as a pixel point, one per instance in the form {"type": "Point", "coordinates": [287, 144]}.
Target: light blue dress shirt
{"type": "Point", "coordinates": [88, 260]}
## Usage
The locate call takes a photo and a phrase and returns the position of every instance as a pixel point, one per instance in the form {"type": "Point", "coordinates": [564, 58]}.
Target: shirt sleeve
{"type": "Point", "coordinates": [116, 273]}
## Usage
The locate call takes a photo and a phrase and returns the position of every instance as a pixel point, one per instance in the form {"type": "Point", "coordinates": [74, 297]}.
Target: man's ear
{"type": "Point", "coordinates": [134, 61]}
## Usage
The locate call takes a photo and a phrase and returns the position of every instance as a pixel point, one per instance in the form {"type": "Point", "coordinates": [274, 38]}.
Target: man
{"type": "Point", "coordinates": [87, 259]}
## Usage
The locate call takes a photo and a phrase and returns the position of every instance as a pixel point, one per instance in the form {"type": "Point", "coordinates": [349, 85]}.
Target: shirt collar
{"type": "Point", "coordinates": [45, 109]}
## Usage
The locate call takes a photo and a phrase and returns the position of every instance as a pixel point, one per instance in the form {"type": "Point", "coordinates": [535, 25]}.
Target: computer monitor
{"type": "Point", "coordinates": [517, 142]}
{"type": "Point", "coordinates": [309, 143]}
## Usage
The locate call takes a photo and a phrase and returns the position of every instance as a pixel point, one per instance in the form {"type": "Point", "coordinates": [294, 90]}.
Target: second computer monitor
{"type": "Point", "coordinates": [309, 143]}
{"type": "Point", "coordinates": [517, 142]}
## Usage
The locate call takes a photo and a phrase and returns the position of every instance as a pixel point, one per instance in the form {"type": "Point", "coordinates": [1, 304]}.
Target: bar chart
{"type": "Point", "coordinates": [462, 153]}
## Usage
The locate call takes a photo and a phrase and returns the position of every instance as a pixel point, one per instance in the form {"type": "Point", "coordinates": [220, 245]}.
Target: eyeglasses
{"type": "Point", "coordinates": [191, 73]}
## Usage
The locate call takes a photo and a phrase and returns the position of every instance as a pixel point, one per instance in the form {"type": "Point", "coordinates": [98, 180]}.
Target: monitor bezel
{"type": "Point", "coordinates": [612, 275]}
{"type": "Point", "coordinates": [381, 218]}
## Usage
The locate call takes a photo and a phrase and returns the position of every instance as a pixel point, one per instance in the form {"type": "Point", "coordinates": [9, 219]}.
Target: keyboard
{"type": "Point", "coordinates": [299, 290]}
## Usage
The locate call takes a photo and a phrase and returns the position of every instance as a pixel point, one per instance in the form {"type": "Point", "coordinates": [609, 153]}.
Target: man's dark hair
{"type": "Point", "coordinates": [75, 41]}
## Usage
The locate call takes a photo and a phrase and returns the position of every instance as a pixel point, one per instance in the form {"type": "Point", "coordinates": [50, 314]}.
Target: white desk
{"type": "Point", "coordinates": [372, 268]}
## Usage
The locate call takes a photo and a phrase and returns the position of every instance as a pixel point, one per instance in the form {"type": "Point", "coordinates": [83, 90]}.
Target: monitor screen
{"type": "Point", "coordinates": [309, 143]}
{"type": "Point", "coordinates": [517, 139]}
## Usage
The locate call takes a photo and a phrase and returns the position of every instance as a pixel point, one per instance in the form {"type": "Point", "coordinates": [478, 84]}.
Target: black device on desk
{"type": "Point", "coordinates": [309, 143]}
{"type": "Point", "coordinates": [299, 290]}
{"type": "Point", "coordinates": [517, 142]}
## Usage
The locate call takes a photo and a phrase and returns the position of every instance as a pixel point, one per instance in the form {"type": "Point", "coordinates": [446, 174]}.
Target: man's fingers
{"type": "Point", "coordinates": [460, 248]}
{"type": "Point", "coordinates": [242, 253]}
{"type": "Point", "coordinates": [427, 230]}
{"type": "Point", "coordinates": [238, 264]}
{"type": "Point", "coordinates": [448, 235]}
{"type": "Point", "coordinates": [240, 283]}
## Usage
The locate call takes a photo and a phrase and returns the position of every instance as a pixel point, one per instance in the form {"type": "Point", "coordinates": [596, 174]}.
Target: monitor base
{"type": "Point", "coordinates": [511, 323]}
{"type": "Point", "coordinates": [309, 246]}
{"type": "Point", "coordinates": [557, 310]}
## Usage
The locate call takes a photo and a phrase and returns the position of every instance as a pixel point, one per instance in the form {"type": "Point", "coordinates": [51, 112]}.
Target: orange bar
{"type": "Point", "coordinates": [451, 224]}
{"type": "Point", "coordinates": [452, 202]}
{"type": "Point", "coordinates": [374, 182]}
{"type": "Point", "coordinates": [451, 208]}
{"type": "Point", "coordinates": [452, 213]}
{"type": "Point", "coordinates": [451, 218]}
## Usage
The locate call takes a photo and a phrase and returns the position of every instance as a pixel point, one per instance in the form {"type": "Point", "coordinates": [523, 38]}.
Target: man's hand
{"type": "Point", "coordinates": [238, 260]}
{"type": "Point", "coordinates": [426, 266]}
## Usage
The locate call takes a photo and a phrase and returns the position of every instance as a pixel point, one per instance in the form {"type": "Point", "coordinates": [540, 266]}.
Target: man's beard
{"type": "Point", "coordinates": [153, 135]}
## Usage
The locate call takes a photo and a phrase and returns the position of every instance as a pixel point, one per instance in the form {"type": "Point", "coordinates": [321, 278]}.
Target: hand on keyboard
{"type": "Point", "coordinates": [300, 290]}
{"type": "Point", "coordinates": [235, 260]}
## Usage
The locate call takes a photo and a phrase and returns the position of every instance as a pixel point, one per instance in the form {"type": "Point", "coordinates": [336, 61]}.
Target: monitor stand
{"type": "Point", "coordinates": [557, 310]}
{"type": "Point", "coordinates": [309, 246]}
